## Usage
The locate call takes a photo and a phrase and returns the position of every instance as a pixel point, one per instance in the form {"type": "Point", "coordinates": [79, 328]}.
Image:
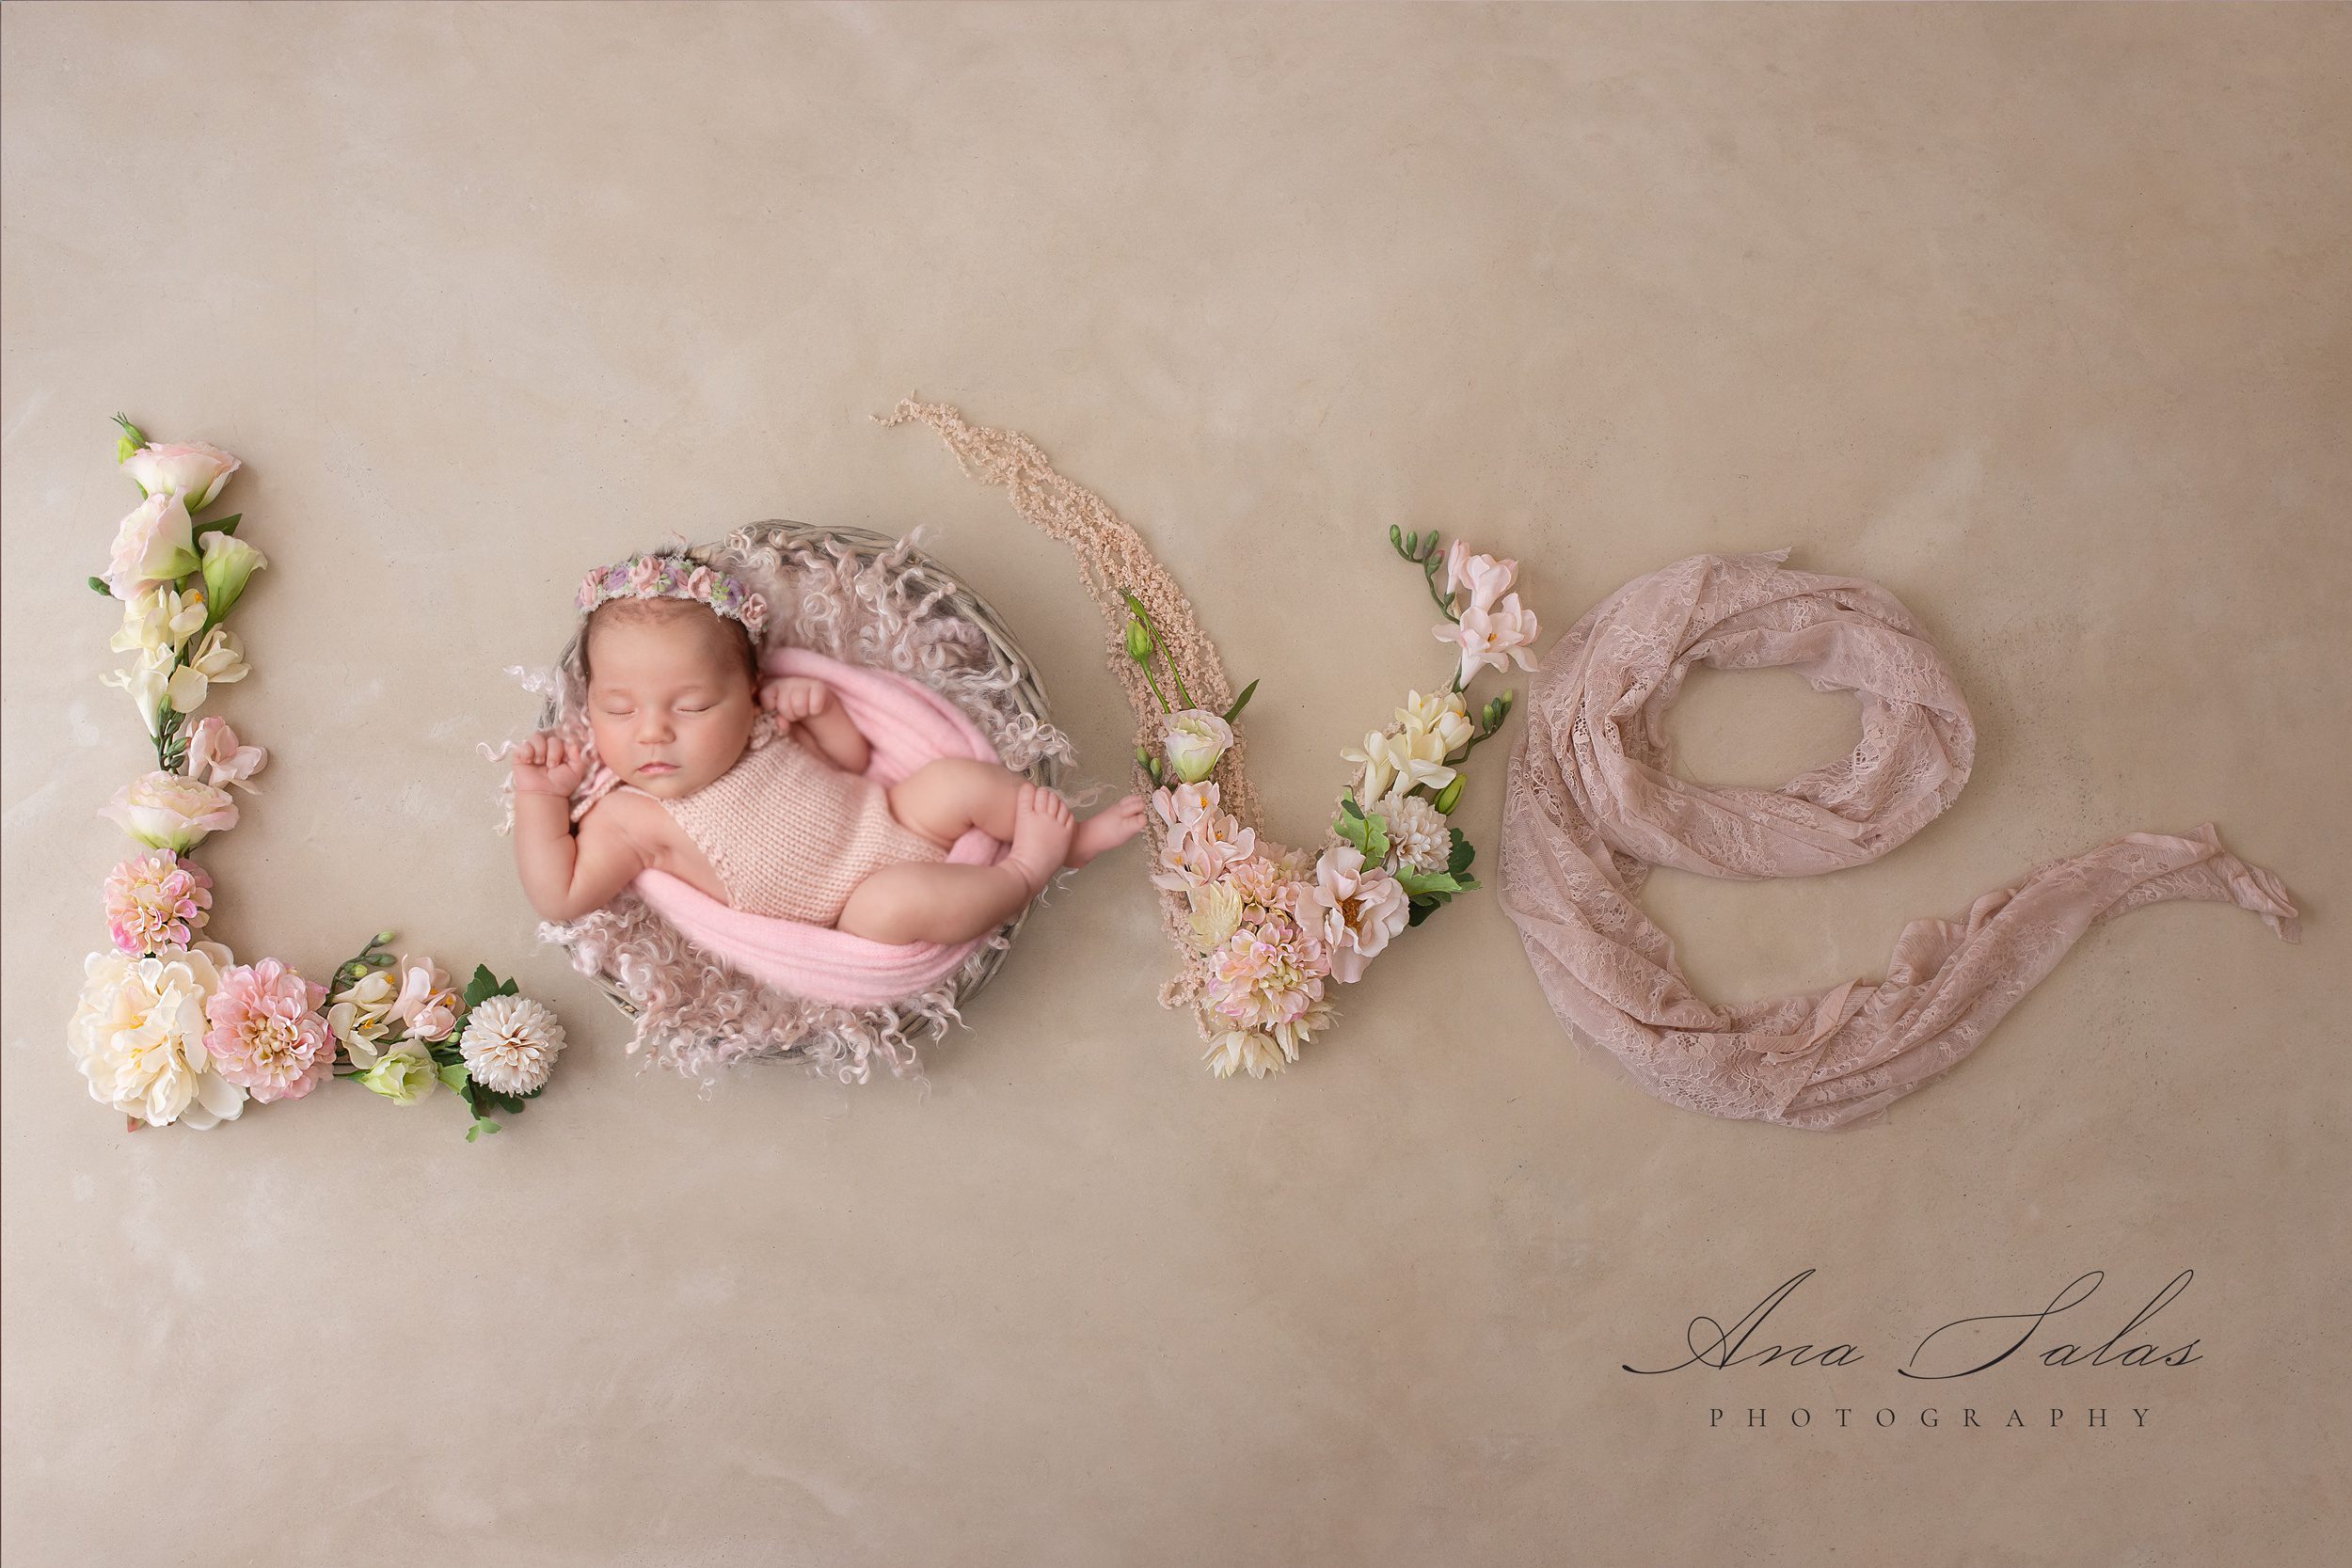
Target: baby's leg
{"type": "Point", "coordinates": [919, 901]}
{"type": "Point", "coordinates": [946, 797]}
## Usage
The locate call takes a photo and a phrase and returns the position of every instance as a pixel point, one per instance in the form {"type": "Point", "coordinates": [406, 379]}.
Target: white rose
{"type": "Point", "coordinates": [1194, 739]}
{"type": "Point", "coordinates": [154, 547]}
{"type": "Point", "coordinates": [193, 470]}
{"type": "Point", "coordinates": [164, 810]}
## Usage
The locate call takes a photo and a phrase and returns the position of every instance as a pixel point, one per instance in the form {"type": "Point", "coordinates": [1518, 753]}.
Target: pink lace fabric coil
{"type": "Point", "coordinates": [1592, 804]}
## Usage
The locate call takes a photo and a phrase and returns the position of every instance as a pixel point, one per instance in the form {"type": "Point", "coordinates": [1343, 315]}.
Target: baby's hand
{"type": "Point", "coordinates": [549, 765]}
{"type": "Point", "coordinates": [792, 698]}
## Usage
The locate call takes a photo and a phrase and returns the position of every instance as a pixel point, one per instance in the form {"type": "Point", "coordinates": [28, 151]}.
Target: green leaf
{"type": "Point", "coordinates": [1231, 714]}
{"type": "Point", "coordinates": [482, 985]}
{"type": "Point", "coordinates": [453, 1074]}
{"type": "Point", "coordinates": [1418, 913]}
{"type": "Point", "coordinates": [1464, 852]}
{"type": "Point", "coordinates": [1415, 883]}
{"type": "Point", "coordinates": [219, 525]}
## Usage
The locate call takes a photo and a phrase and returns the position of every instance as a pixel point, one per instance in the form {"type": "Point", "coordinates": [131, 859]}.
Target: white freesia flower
{"type": "Point", "coordinates": [1194, 739]}
{"type": "Point", "coordinates": [149, 682]}
{"type": "Point", "coordinates": [1441, 717]}
{"type": "Point", "coordinates": [192, 471]}
{"type": "Point", "coordinates": [138, 1034]}
{"type": "Point", "coordinates": [1375, 773]}
{"type": "Point", "coordinates": [216, 661]}
{"type": "Point", "coordinates": [158, 622]}
{"type": "Point", "coordinates": [510, 1044]}
{"type": "Point", "coordinates": [361, 1016]}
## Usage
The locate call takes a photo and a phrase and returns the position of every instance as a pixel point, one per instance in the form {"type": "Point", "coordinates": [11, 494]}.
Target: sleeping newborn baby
{"type": "Point", "coordinates": [751, 788]}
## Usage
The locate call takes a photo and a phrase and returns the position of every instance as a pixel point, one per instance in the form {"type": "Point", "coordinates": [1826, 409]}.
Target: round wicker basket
{"type": "Point", "coordinates": [958, 601]}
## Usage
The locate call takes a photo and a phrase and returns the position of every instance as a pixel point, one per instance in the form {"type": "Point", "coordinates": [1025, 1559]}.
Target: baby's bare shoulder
{"type": "Point", "coordinates": [629, 817]}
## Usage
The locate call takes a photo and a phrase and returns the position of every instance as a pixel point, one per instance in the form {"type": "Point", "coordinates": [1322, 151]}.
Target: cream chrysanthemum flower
{"type": "Point", "coordinates": [510, 1044]}
{"type": "Point", "coordinates": [1418, 833]}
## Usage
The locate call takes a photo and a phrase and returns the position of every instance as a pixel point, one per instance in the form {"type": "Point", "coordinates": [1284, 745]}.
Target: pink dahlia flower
{"type": "Point", "coordinates": [156, 900]}
{"type": "Point", "coordinates": [268, 1035]}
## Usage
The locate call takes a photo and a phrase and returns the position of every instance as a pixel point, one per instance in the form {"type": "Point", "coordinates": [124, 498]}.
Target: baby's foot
{"type": "Point", "coordinates": [1042, 827]}
{"type": "Point", "coordinates": [1108, 828]}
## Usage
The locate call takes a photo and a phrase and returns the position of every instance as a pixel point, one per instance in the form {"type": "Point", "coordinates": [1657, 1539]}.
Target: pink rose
{"type": "Point", "coordinates": [193, 470]}
{"type": "Point", "coordinates": [214, 756]}
{"type": "Point", "coordinates": [154, 547]}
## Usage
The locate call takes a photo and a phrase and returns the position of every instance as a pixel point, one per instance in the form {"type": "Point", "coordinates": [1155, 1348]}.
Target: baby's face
{"type": "Point", "coordinates": [669, 712]}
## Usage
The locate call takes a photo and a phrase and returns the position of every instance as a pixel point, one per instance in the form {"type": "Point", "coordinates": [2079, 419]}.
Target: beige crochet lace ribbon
{"type": "Point", "coordinates": [1111, 557]}
{"type": "Point", "coordinates": [1593, 803]}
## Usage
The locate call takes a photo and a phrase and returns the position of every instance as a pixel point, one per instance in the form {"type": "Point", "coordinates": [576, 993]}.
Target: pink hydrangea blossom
{"type": "Point", "coordinates": [156, 900]}
{"type": "Point", "coordinates": [268, 1035]}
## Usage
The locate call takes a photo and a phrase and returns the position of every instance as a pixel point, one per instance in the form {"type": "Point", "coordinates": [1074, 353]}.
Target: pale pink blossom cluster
{"type": "Point", "coordinates": [1492, 629]}
{"type": "Point", "coordinates": [169, 1028]}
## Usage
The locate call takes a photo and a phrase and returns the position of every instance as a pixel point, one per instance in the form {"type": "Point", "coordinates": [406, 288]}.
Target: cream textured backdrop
{"type": "Point", "coordinates": [2036, 316]}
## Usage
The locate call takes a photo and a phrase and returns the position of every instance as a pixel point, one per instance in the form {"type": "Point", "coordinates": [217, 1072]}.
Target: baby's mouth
{"type": "Point", "coordinates": [659, 767]}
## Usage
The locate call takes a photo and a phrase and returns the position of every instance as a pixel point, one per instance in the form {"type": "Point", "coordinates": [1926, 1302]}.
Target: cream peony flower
{"type": "Point", "coordinates": [154, 547]}
{"type": "Point", "coordinates": [361, 1016]}
{"type": "Point", "coordinates": [138, 1034]}
{"type": "Point", "coordinates": [1194, 740]}
{"type": "Point", "coordinates": [167, 811]}
{"type": "Point", "coordinates": [158, 622]}
{"type": "Point", "coordinates": [510, 1044]}
{"type": "Point", "coordinates": [1419, 834]}
{"type": "Point", "coordinates": [192, 471]}
{"type": "Point", "coordinates": [1363, 907]}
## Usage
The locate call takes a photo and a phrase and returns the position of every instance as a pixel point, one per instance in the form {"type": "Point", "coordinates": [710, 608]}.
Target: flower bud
{"type": "Point", "coordinates": [1452, 794]}
{"type": "Point", "coordinates": [1138, 640]}
{"type": "Point", "coordinates": [228, 561]}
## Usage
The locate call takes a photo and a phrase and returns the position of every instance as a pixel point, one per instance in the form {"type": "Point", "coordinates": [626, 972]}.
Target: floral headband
{"type": "Point", "coordinates": [657, 575]}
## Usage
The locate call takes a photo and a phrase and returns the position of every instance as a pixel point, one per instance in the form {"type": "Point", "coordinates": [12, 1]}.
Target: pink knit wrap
{"type": "Point", "coordinates": [1593, 803]}
{"type": "Point", "coordinates": [907, 725]}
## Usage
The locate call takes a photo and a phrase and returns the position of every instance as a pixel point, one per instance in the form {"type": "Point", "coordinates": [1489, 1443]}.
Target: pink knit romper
{"type": "Point", "coordinates": [790, 834]}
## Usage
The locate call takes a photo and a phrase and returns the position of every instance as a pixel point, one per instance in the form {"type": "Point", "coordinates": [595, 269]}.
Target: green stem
{"type": "Point", "coordinates": [1160, 643]}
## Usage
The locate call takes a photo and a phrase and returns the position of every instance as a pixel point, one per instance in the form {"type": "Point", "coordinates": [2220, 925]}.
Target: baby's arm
{"type": "Point", "coordinates": [567, 877]}
{"type": "Point", "coordinates": [811, 704]}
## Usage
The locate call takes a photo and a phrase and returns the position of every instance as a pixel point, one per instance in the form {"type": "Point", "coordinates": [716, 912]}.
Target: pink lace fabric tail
{"type": "Point", "coordinates": [1593, 803]}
